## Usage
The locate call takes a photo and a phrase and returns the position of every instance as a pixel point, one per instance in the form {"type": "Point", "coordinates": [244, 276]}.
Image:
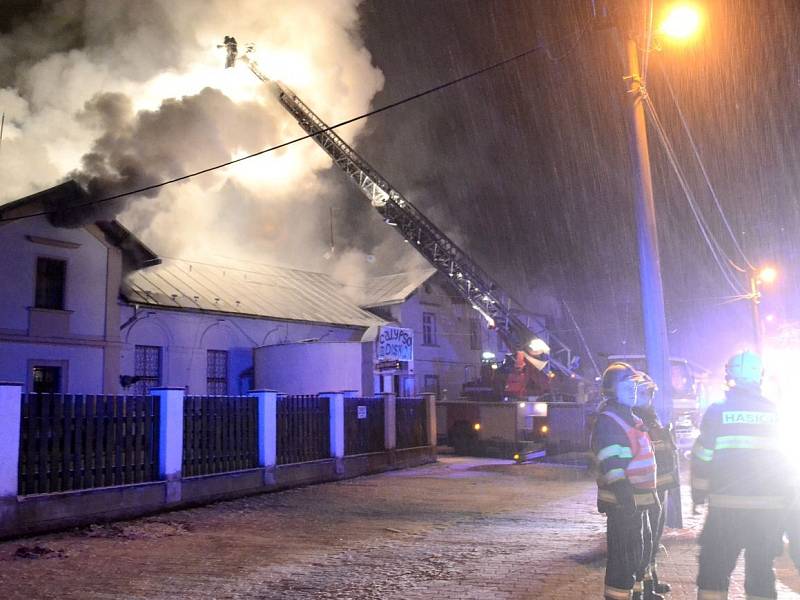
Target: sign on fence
{"type": "Point", "coordinates": [361, 412]}
{"type": "Point", "coordinates": [395, 343]}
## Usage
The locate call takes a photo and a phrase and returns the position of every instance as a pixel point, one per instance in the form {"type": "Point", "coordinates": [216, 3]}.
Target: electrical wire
{"type": "Point", "coordinates": [379, 110]}
{"type": "Point", "coordinates": [717, 251]}
{"type": "Point", "coordinates": [705, 172]}
{"type": "Point", "coordinates": [648, 41]}
{"type": "Point", "coordinates": [711, 241]}
{"type": "Point", "coordinates": [578, 37]}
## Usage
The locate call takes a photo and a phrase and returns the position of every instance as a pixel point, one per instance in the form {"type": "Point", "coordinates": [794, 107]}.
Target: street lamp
{"type": "Point", "coordinates": [681, 22]}
{"type": "Point", "coordinates": [757, 277]}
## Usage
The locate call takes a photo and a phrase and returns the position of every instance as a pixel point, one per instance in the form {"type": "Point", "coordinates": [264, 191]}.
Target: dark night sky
{"type": "Point", "coordinates": [529, 164]}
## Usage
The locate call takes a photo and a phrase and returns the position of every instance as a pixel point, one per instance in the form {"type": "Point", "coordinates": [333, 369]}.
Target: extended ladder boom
{"type": "Point", "coordinates": [471, 282]}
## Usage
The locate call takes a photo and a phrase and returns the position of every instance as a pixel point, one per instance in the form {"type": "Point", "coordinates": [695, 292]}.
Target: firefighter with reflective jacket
{"type": "Point", "coordinates": [626, 484]}
{"type": "Point", "coordinates": [739, 469]}
{"type": "Point", "coordinates": [666, 453]}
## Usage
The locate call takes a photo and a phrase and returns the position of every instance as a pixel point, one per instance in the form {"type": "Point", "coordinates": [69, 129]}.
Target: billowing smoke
{"type": "Point", "coordinates": [122, 95]}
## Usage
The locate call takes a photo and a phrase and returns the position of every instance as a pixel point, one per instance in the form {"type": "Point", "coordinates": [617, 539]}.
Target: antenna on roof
{"type": "Point", "coordinates": [333, 243]}
{"type": "Point", "coordinates": [329, 254]}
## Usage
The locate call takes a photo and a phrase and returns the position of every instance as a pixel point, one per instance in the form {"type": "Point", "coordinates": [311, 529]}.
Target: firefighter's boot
{"type": "Point", "coordinates": [660, 587]}
{"type": "Point", "coordinates": [649, 591]}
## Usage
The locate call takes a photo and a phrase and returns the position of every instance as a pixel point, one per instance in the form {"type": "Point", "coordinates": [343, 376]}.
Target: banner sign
{"type": "Point", "coordinates": [395, 343]}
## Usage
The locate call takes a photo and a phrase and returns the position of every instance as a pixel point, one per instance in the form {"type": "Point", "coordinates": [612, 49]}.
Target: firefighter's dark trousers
{"type": "Point", "coordinates": [629, 542]}
{"type": "Point", "coordinates": [656, 517]}
{"type": "Point", "coordinates": [726, 533]}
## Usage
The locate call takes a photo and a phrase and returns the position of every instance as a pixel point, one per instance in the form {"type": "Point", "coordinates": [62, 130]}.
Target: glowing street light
{"type": "Point", "coordinates": [757, 277]}
{"type": "Point", "coordinates": [681, 22]}
{"type": "Point", "coordinates": [767, 275]}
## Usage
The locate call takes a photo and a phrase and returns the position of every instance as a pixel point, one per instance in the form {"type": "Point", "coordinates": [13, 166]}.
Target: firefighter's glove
{"type": "Point", "coordinates": [624, 494]}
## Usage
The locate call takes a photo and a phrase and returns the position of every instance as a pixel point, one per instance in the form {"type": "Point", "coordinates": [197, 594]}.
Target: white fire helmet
{"type": "Point", "coordinates": [620, 383]}
{"type": "Point", "coordinates": [744, 369]}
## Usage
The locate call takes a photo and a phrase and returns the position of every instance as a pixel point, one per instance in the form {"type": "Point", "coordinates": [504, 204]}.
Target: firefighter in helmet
{"type": "Point", "coordinates": [626, 481]}
{"type": "Point", "coordinates": [666, 454]}
{"type": "Point", "coordinates": [738, 469]}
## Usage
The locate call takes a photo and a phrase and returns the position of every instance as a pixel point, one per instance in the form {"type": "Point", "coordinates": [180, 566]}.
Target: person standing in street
{"type": "Point", "coordinates": [666, 454]}
{"type": "Point", "coordinates": [739, 469]}
{"type": "Point", "coordinates": [626, 484]}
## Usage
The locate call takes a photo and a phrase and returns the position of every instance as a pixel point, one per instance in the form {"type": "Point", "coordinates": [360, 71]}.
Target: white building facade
{"type": "Point", "coordinates": [90, 310]}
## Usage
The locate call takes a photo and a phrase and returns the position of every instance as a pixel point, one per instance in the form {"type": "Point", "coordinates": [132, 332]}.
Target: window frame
{"type": "Point", "coordinates": [212, 381]}
{"type": "Point", "coordinates": [431, 377]}
{"type": "Point", "coordinates": [146, 381]}
{"type": "Point", "coordinates": [429, 329]}
{"type": "Point", "coordinates": [63, 372]}
{"type": "Point", "coordinates": [40, 299]}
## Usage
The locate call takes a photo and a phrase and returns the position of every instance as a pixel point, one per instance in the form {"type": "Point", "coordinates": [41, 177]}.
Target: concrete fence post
{"type": "Point", "coordinates": [170, 439]}
{"type": "Point", "coordinates": [10, 419]}
{"type": "Point", "coordinates": [390, 424]}
{"type": "Point", "coordinates": [337, 427]}
{"type": "Point", "coordinates": [267, 432]}
{"type": "Point", "coordinates": [430, 406]}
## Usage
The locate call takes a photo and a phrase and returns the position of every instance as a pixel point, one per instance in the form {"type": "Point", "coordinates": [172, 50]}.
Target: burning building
{"type": "Point", "coordinates": [89, 308]}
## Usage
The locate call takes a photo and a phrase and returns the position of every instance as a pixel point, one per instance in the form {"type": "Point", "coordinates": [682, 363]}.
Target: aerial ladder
{"type": "Point", "coordinates": [497, 307]}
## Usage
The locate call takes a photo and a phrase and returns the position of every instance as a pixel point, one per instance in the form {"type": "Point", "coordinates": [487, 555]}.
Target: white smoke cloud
{"type": "Point", "coordinates": [120, 94]}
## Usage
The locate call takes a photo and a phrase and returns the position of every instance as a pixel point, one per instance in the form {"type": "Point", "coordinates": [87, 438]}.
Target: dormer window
{"type": "Point", "coordinates": [50, 283]}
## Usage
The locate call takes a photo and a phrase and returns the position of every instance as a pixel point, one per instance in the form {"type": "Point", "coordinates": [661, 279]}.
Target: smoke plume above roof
{"type": "Point", "coordinates": [120, 95]}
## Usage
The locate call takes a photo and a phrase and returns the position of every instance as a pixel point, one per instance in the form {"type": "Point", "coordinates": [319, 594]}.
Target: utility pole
{"type": "Point", "coordinates": [652, 291]}
{"type": "Point", "coordinates": [651, 287]}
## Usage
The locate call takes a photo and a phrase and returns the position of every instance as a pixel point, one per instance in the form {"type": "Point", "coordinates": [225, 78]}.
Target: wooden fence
{"type": "Point", "coordinates": [73, 442]}
{"type": "Point", "coordinates": [70, 442]}
{"type": "Point", "coordinates": [219, 434]}
{"type": "Point", "coordinates": [303, 429]}
{"type": "Point", "coordinates": [363, 425]}
{"type": "Point", "coordinates": [412, 422]}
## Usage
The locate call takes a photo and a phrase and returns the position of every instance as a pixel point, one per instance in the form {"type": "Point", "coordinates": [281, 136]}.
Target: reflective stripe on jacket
{"type": "Point", "coordinates": [736, 461]}
{"type": "Point", "coordinates": [613, 454]}
{"type": "Point", "coordinates": [641, 469]}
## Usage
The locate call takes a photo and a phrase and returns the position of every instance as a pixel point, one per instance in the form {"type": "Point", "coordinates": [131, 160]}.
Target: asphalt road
{"type": "Point", "coordinates": [461, 528]}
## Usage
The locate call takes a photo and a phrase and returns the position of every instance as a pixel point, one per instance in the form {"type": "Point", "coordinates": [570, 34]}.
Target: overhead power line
{"type": "Point", "coordinates": [431, 90]}
{"type": "Point", "coordinates": [696, 153]}
{"type": "Point", "coordinates": [717, 252]}
{"type": "Point", "coordinates": [648, 41]}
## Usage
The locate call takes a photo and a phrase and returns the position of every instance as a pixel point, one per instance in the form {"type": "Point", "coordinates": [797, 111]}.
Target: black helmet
{"type": "Point", "coordinates": [616, 372]}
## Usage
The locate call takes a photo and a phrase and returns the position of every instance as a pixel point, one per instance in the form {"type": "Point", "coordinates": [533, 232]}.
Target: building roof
{"type": "Point", "coordinates": [390, 289]}
{"type": "Point", "coordinates": [49, 201]}
{"type": "Point", "coordinates": [245, 289]}
{"type": "Point", "coordinates": [57, 202]}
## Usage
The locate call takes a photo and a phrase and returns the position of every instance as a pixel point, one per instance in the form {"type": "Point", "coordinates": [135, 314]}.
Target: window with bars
{"type": "Point", "coordinates": [147, 369]}
{"type": "Point", "coordinates": [428, 329]}
{"type": "Point", "coordinates": [51, 276]}
{"type": "Point", "coordinates": [217, 373]}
